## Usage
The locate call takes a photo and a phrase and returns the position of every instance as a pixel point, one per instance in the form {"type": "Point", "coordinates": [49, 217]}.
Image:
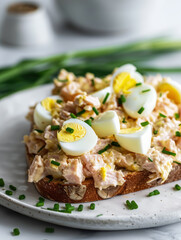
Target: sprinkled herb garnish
{"type": "Point", "coordinates": [80, 208]}
{"type": "Point", "coordinates": [41, 199]}
{"type": "Point", "coordinates": [150, 159]}
{"type": "Point", "coordinates": [16, 232]}
{"type": "Point", "coordinates": [69, 130]}
{"type": "Point", "coordinates": [177, 187]}
{"type": "Point", "coordinates": [177, 116]}
{"type": "Point", "coordinates": [59, 101]}
{"type": "Point", "coordinates": [124, 120]}
{"type": "Point", "coordinates": [176, 162]}
{"type": "Point", "coordinates": [41, 202]}
{"type": "Point", "coordinates": [147, 90]}
{"type": "Point", "coordinates": [143, 124]}
{"type": "Point", "coordinates": [56, 207]}
{"type": "Point", "coordinates": [93, 82]}
{"type": "Point", "coordinates": [65, 80]}
{"type": "Point", "coordinates": [99, 215]}
{"type": "Point", "coordinates": [155, 132]}
{"type": "Point", "coordinates": [59, 148]}
{"type": "Point", "coordinates": [55, 163]}
{"type": "Point", "coordinates": [41, 149]}
{"type": "Point", "coordinates": [9, 193]}
{"type": "Point", "coordinates": [92, 206]}
{"type": "Point", "coordinates": [168, 152]}
{"type": "Point", "coordinates": [68, 208]}
{"type": "Point", "coordinates": [106, 97]}
{"type": "Point", "coordinates": [89, 122]}
{"type": "Point", "coordinates": [49, 230]}
{"type": "Point", "coordinates": [95, 110]}
{"type": "Point", "coordinates": [121, 99]}
{"type": "Point", "coordinates": [131, 205]}
{"type": "Point", "coordinates": [92, 118]}
{"type": "Point", "coordinates": [178, 134]}
{"type": "Point", "coordinates": [73, 115]}
{"type": "Point", "coordinates": [80, 113]}
{"type": "Point", "coordinates": [162, 115]}
{"type": "Point", "coordinates": [22, 197]}
{"type": "Point", "coordinates": [38, 130]}
{"type": "Point", "coordinates": [116, 144]}
{"type": "Point", "coordinates": [2, 182]}
{"type": "Point", "coordinates": [55, 127]}
{"type": "Point", "coordinates": [138, 84]}
{"type": "Point", "coordinates": [104, 149]}
{"type": "Point", "coordinates": [155, 192]}
{"type": "Point", "coordinates": [161, 94]}
{"type": "Point", "coordinates": [13, 188]}
{"type": "Point", "coordinates": [141, 110]}
{"type": "Point", "coordinates": [50, 178]}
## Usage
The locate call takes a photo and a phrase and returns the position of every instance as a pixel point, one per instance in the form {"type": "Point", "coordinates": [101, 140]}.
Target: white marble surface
{"type": "Point", "coordinates": [70, 39]}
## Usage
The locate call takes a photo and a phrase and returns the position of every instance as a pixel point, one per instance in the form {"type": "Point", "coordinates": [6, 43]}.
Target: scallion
{"type": "Point", "coordinates": [178, 134]}
{"type": "Point", "coordinates": [16, 232]}
{"type": "Point", "coordinates": [141, 110]}
{"type": "Point", "coordinates": [55, 163]}
{"type": "Point", "coordinates": [177, 116]}
{"type": "Point", "coordinates": [143, 124]}
{"type": "Point", "coordinates": [92, 206]}
{"type": "Point", "coordinates": [22, 197]}
{"type": "Point", "coordinates": [80, 208]}
{"type": "Point", "coordinates": [162, 115]}
{"type": "Point", "coordinates": [168, 152]}
{"type": "Point", "coordinates": [147, 90]}
{"type": "Point", "coordinates": [131, 205]}
{"type": "Point", "coordinates": [13, 188]}
{"type": "Point", "coordinates": [115, 144]}
{"type": "Point", "coordinates": [73, 115]}
{"type": "Point", "coordinates": [89, 122]}
{"type": "Point", "coordinates": [38, 130]}
{"type": "Point", "coordinates": [121, 99]}
{"type": "Point", "coordinates": [59, 101]}
{"type": "Point", "coordinates": [55, 127]}
{"type": "Point", "coordinates": [106, 97]}
{"type": "Point", "coordinates": [2, 184]}
{"type": "Point", "coordinates": [155, 192]}
{"type": "Point", "coordinates": [177, 187]}
{"type": "Point", "coordinates": [69, 130]}
{"type": "Point", "coordinates": [80, 113]}
{"type": "Point", "coordinates": [95, 110]}
{"type": "Point", "coordinates": [104, 149]}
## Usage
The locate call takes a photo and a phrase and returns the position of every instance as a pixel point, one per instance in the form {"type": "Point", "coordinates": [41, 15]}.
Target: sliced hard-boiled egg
{"type": "Point", "coordinates": [44, 110]}
{"type": "Point", "coordinates": [141, 101]}
{"type": "Point", "coordinates": [136, 140]}
{"type": "Point", "coordinates": [173, 88]}
{"type": "Point", "coordinates": [101, 94]}
{"type": "Point", "coordinates": [125, 78]}
{"type": "Point", "coordinates": [107, 124]}
{"type": "Point", "coordinates": [76, 137]}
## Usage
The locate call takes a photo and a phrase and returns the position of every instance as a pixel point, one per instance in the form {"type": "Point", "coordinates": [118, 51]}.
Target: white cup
{"type": "Point", "coordinates": [28, 27]}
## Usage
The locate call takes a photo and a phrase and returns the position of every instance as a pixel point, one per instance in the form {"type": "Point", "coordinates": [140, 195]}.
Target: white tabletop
{"type": "Point", "coordinates": [67, 39]}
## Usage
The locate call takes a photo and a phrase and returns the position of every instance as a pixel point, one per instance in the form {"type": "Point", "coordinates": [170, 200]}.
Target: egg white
{"type": "Point", "coordinates": [83, 145]}
{"type": "Point", "coordinates": [102, 93]}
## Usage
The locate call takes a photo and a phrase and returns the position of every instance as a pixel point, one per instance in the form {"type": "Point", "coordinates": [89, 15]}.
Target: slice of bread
{"type": "Point", "coordinates": [60, 191]}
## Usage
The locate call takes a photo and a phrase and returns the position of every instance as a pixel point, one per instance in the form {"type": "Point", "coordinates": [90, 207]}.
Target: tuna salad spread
{"type": "Point", "coordinates": [104, 128]}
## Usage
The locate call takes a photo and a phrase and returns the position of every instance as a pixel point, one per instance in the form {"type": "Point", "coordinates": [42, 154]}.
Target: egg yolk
{"type": "Point", "coordinates": [173, 93]}
{"type": "Point", "coordinates": [48, 104]}
{"type": "Point", "coordinates": [123, 82]}
{"type": "Point", "coordinates": [130, 130]}
{"type": "Point", "coordinates": [78, 133]}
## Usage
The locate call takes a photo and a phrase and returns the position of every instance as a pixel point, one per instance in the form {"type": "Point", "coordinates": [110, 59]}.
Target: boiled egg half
{"type": "Point", "coordinates": [124, 78]}
{"type": "Point", "coordinates": [44, 110]}
{"type": "Point", "coordinates": [106, 124]}
{"type": "Point", "coordinates": [141, 101]}
{"type": "Point", "coordinates": [76, 137]}
{"type": "Point", "coordinates": [136, 140]}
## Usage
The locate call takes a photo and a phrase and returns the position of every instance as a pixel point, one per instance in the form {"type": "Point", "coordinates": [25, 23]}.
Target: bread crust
{"type": "Point", "coordinates": [60, 191]}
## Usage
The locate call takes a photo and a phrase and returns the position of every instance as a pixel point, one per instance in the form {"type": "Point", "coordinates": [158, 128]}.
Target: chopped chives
{"type": "Point", "coordinates": [99, 215]}
{"type": "Point", "coordinates": [22, 197]}
{"type": "Point", "coordinates": [131, 205]}
{"type": "Point", "coordinates": [147, 90]}
{"type": "Point", "coordinates": [59, 101]}
{"type": "Point", "coordinates": [95, 110]}
{"type": "Point", "coordinates": [38, 130]}
{"type": "Point", "coordinates": [80, 208]}
{"type": "Point", "coordinates": [69, 130]}
{"type": "Point", "coordinates": [41, 199]}
{"type": "Point", "coordinates": [80, 113]}
{"type": "Point", "coordinates": [92, 118]}
{"type": "Point", "coordinates": [2, 182]}
{"type": "Point", "coordinates": [161, 94]}
{"type": "Point", "coordinates": [121, 99]}
{"type": "Point", "coordinates": [65, 80]}
{"type": "Point", "coordinates": [49, 230]}
{"type": "Point", "coordinates": [176, 162]}
{"type": "Point", "coordinates": [143, 124]}
{"type": "Point", "coordinates": [177, 116]}
{"type": "Point", "coordinates": [56, 207]}
{"type": "Point", "coordinates": [16, 232]}
{"type": "Point", "coordinates": [124, 120]}
{"type": "Point", "coordinates": [155, 132]}
{"type": "Point", "coordinates": [141, 110]}
{"type": "Point", "coordinates": [73, 115]}
{"type": "Point", "coordinates": [13, 188]}
{"type": "Point", "coordinates": [69, 208]}
{"type": "Point", "coordinates": [162, 115]}
{"type": "Point", "coordinates": [50, 178]}
{"type": "Point", "coordinates": [138, 84]}
{"type": "Point", "coordinates": [40, 204]}
{"type": "Point", "coordinates": [89, 122]}
{"type": "Point", "coordinates": [55, 163]}
{"type": "Point", "coordinates": [104, 149]}
{"type": "Point", "coordinates": [116, 144]}
{"type": "Point", "coordinates": [150, 159]}
{"type": "Point", "coordinates": [55, 127]}
{"type": "Point", "coordinates": [106, 97]}
{"type": "Point", "coordinates": [9, 193]}
{"type": "Point", "coordinates": [177, 187]}
{"type": "Point", "coordinates": [178, 134]}
{"type": "Point", "coordinates": [168, 152]}
{"type": "Point", "coordinates": [92, 206]}
{"type": "Point", "coordinates": [155, 192]}
{"type": "Point", "coordinates": [93, 82]}
{"type": "Point", "coordinates": [41, 148]}
{"type": "Point", "coordinates": [59, 148]}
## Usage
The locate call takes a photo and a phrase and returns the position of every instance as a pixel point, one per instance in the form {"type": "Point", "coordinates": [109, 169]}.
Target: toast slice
{"type": "Point", "coordinates": [60, 191]}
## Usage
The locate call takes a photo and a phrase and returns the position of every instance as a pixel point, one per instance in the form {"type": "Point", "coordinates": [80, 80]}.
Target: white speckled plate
{"type": "Point", "coordinates": [155, 211]}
